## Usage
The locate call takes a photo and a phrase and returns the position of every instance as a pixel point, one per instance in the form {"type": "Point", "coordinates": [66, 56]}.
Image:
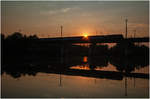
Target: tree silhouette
{"type": "Point", "coordinates": [2, 36]}
{"type": "Point", "coordinates": [33, 37]}
{"type": "Point", "coordinates": [15, 36]}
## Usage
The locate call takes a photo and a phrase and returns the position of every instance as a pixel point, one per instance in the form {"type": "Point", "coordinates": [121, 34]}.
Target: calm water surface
{"type": "Point", "coordinates": [59, 85]}
{"type": "Point", "coordinates": [39, 82]}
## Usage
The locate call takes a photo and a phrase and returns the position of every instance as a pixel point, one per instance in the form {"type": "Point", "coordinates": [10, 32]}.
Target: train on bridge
{"type": "Point", "coordinates": [94, 39]}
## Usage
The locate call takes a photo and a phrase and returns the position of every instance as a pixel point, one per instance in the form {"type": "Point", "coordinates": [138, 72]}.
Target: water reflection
{"type": "Point", "coordinates": [56, 86]}
{"type": "Point", "coordinates": [82, 67]}
{"type": "Point", "coordinates": [129, 64]}
{"type": "Point", "coordinates": [85, 59]}
{"type": "Point", "coordinates": [102, 67]}
{"type": "Point", "coordinates": [125, 64]}
{"type": "Point", "coordinates": [77, 75]}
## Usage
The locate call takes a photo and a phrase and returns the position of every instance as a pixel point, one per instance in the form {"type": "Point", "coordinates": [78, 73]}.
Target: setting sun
{"type": "Point", "coordinates": [85, 35]}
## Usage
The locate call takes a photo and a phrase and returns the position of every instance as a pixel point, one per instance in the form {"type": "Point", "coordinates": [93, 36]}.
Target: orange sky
{"type": "Point", "coordinates": [44, 18]}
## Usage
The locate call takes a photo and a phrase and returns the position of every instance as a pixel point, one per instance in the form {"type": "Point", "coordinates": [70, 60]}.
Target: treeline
{"type": "Point", "coordinates": [31, 47]}
{"type": "Point", "coordinates": [18, 36]}
{"type": "Point", "coordinates": [16, 46]}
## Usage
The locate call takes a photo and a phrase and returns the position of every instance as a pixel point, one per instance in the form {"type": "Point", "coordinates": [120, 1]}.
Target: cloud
{"type": "Point", "coordinates": [58, 11]}
{"type": "Point", "coordinates": [53, 12]}
{"type": "Point", "coordinates": [66, 10]}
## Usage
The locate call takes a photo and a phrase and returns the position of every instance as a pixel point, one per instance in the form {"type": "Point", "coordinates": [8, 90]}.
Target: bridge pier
{"type": "Point", "coordinates": [91, 49]}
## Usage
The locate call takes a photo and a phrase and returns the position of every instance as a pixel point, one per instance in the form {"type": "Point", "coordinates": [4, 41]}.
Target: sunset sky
{"type": "Point", "coordinates": [44, 18]}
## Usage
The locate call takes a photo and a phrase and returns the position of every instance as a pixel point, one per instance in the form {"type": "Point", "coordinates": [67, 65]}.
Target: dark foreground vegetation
{"type": "Point", "coordinates": [28, 55]}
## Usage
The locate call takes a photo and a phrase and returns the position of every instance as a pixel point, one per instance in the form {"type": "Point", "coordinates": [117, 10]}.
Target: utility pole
{"type": "Point", "coordinates": [134, 33]}
{"type": "Point", "coordinates": [60, 84]}
{"type": "Point", "coordinates": [61, 28]}
{"type": "Point", "coordinates": [62, 46]}
{"type": "Point", "coordinates": [126, 21]}
{"type": "Point", "coordinates": [126, 86]}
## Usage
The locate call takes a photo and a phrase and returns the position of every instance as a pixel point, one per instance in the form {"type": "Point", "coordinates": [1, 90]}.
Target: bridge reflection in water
{"type": "Point", "coordinates": [97, 62]}
{"type": "Point", "coordinates": [95, 67]}
{"type": "Point", "coordinates": [98, 68]}
{"type": "Point", "coordinates": [102, 62]}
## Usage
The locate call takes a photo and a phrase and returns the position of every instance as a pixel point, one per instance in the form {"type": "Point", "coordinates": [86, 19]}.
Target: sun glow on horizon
{"type": "Point", "coordinates": [85, 35]}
